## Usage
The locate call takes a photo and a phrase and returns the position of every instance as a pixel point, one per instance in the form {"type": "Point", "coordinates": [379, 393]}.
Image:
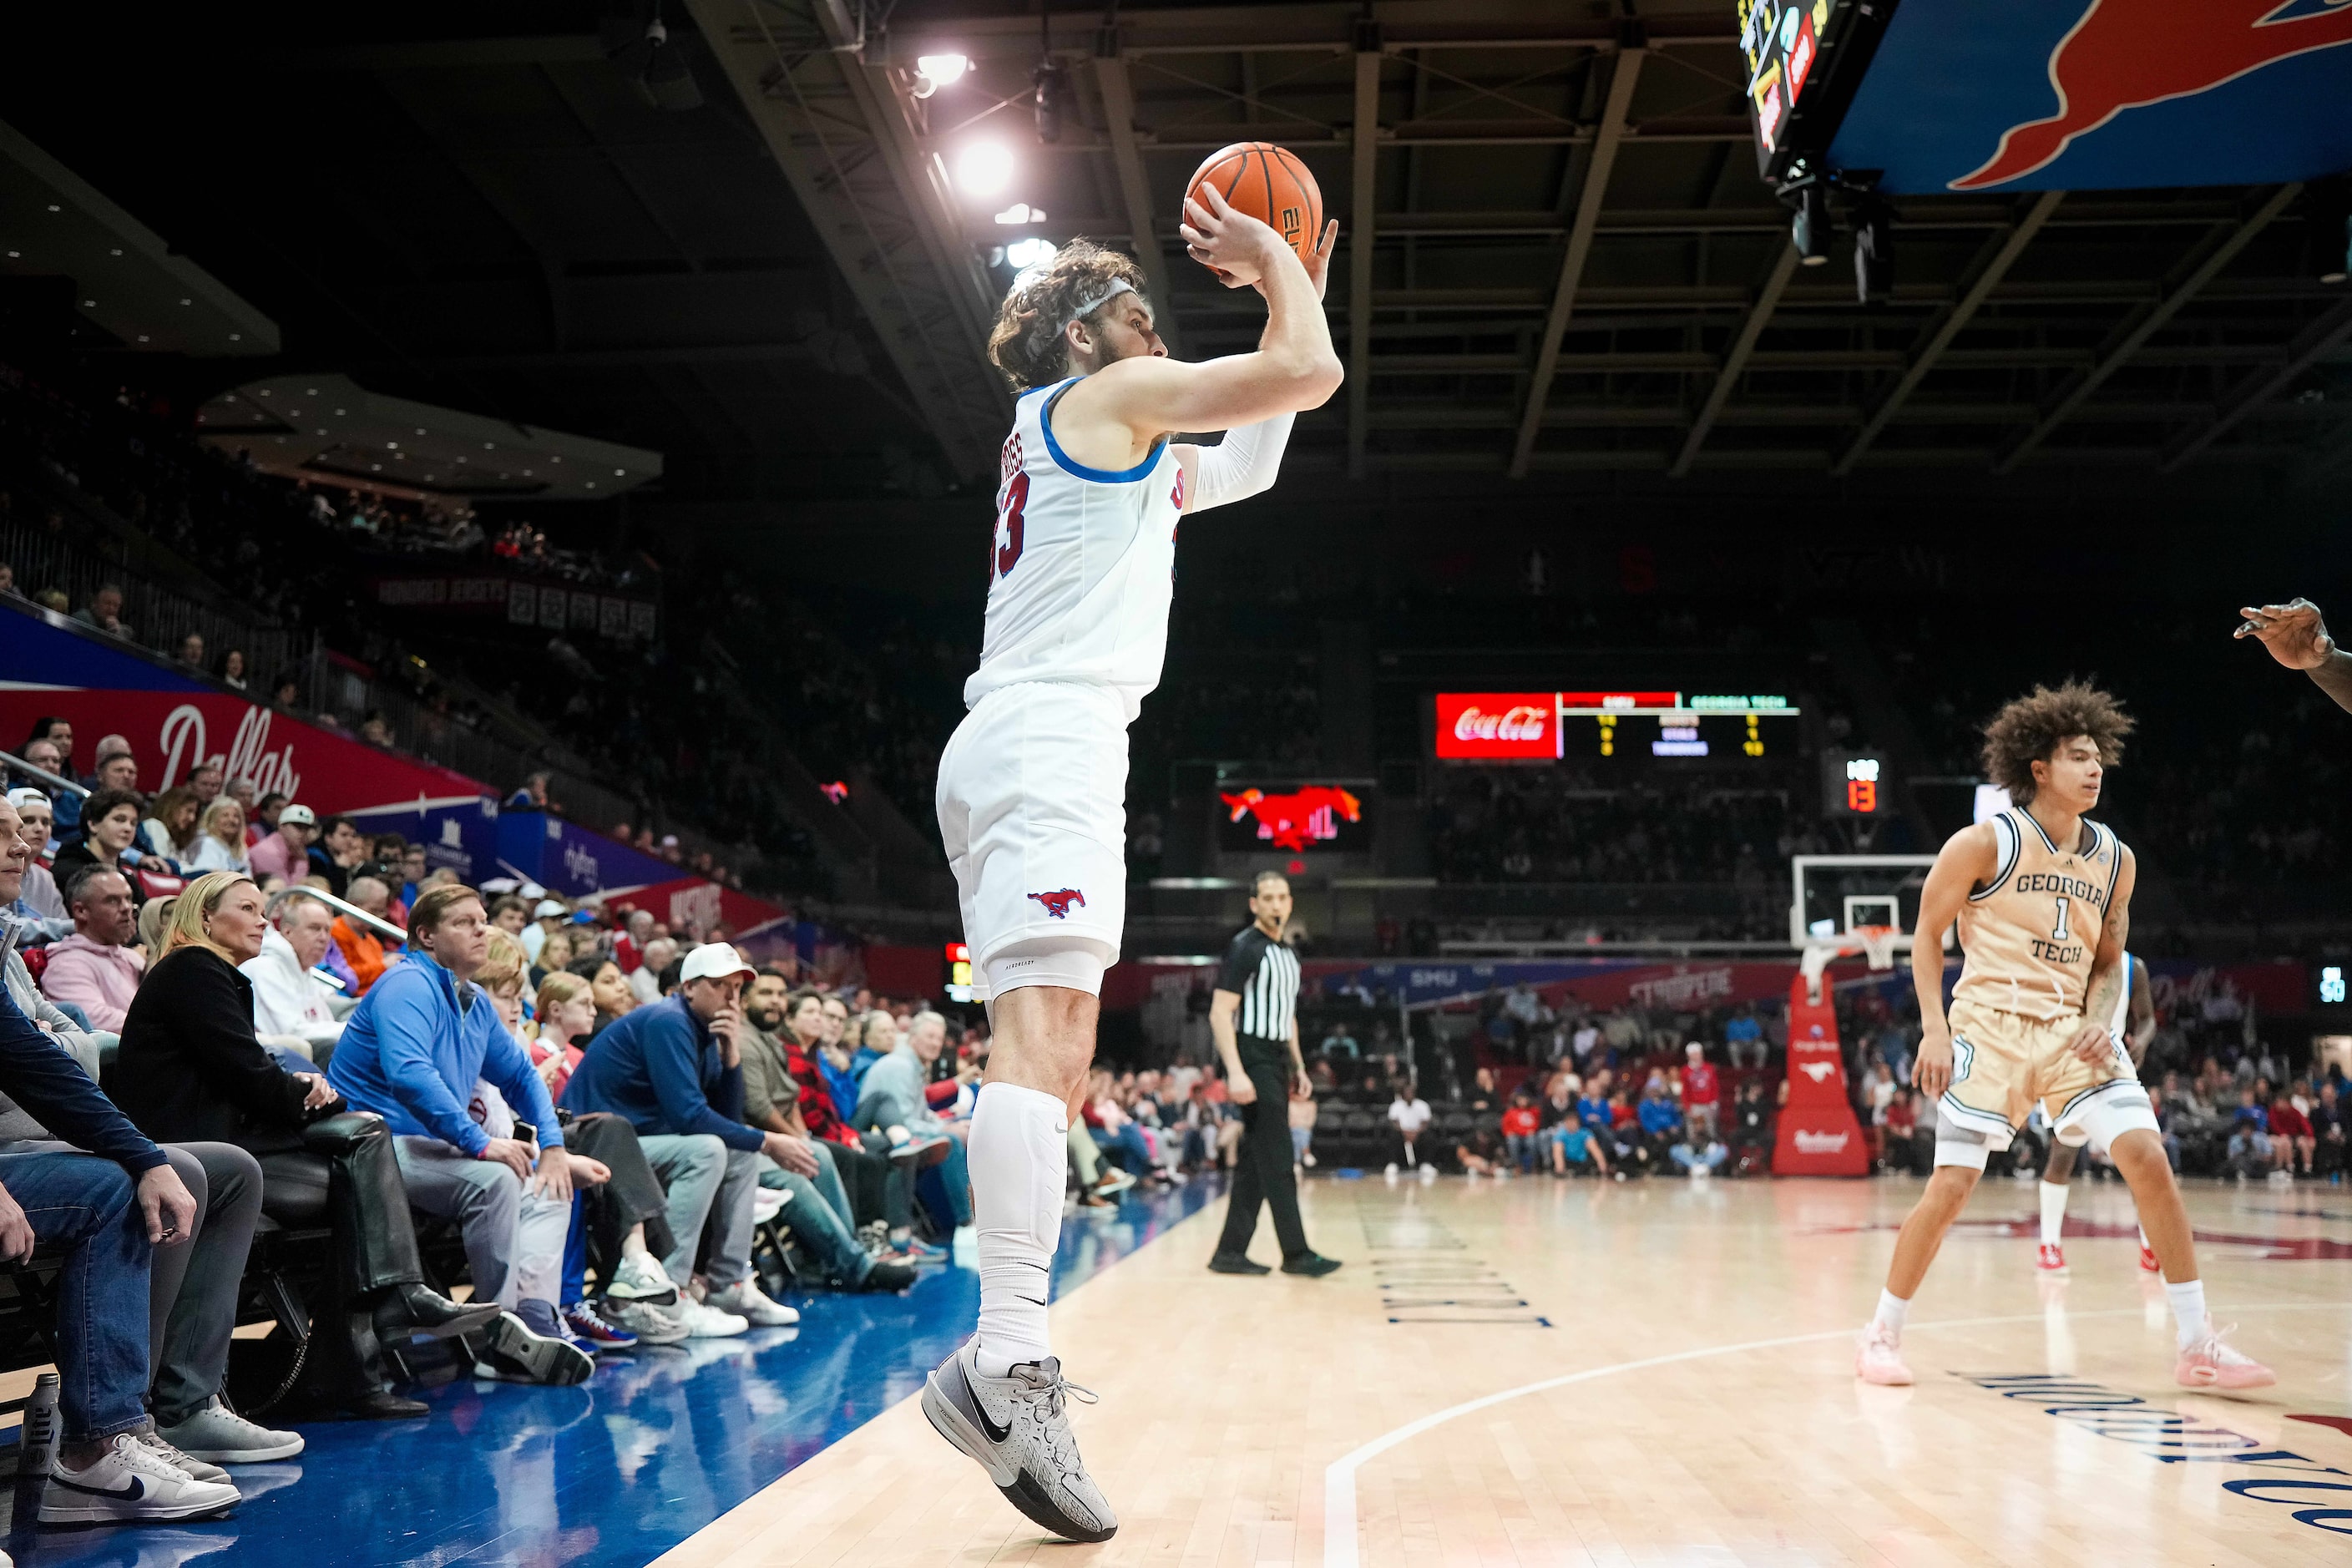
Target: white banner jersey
{"type": "Point", "coordinates": [1082, 565]}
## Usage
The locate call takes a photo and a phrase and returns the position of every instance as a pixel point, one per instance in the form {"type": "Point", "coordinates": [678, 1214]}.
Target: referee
{"type": "Point", "coordinates": [1254, 1014]}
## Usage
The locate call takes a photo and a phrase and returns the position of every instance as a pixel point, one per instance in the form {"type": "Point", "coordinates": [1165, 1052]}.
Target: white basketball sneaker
{"type": "Point", "coordinates": [1876, 1359]}
{"type": "Point", "coordinates": [1018, 1428]}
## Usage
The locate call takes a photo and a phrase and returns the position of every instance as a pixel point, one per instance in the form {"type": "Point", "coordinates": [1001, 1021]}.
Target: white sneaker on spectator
{"type": "Point", "coordinates": [128, 1484]}
{"type": "Point", "coordinates": [197, 1469]}
{"type": "Point", "coordinates": [653, 1325]}
{"type": "Point", "coordinates": [220, 1435]}
{"type": "Point", "coordinates": [767, 1203]}
{"type": "Point", "coordinates": [708, 1323]}
{"type": "Point", "coordinates": [638, 1277]}
{"type": "Point", "coordinates": [745, 1300]}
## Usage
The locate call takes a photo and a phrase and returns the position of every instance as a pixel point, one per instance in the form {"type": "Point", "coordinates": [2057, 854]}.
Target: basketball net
{"type": "Point", "coordinates": [1875, 943]}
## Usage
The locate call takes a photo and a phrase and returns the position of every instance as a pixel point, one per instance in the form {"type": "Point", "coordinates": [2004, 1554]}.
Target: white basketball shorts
{"type": "Point", "coordinates": [1033, 811]}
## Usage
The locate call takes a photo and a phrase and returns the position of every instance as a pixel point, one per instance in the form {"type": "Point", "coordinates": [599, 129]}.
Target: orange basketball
{"type": "Point", "coordinates": [1269, 183]}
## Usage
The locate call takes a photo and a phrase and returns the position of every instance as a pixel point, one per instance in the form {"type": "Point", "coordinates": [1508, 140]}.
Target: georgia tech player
{"type": "Point", "coordinates": [1032, 787]}
{"type": "Point", "coordinates": [2043, 897]}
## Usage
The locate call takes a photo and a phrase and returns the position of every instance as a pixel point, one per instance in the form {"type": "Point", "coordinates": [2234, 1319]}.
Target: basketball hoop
{"type": "Point", "coordinates": [1878, 944]}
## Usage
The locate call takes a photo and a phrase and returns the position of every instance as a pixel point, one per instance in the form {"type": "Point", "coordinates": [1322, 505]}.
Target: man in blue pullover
{"type": "Point", "coordinates": [420, 1040]}
{"type": "Point", "coordinates": [675, 1071]}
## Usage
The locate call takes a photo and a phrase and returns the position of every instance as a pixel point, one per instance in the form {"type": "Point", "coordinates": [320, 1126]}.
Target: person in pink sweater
{"type": "Point", "coordinates": [92, 969]}
{"type": "Point", "coordinates": [285, 854]}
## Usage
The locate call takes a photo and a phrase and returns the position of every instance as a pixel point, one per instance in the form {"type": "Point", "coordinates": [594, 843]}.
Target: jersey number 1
{"type": "Point", "coordinates": [1006, 542]}
{"type": "Point", "coordinates": [2060, 932]}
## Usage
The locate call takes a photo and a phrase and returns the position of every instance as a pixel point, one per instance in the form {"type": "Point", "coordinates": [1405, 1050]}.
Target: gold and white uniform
{"type": "Point", "coordinates": [2028, 939]}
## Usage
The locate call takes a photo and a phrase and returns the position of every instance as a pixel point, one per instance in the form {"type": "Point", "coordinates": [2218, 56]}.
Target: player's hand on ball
{"type": "Point", "coordinates": [1232, 245]}
{"type": "Point", "coordinates": [1932, 1072]}
{"type": "Point", "coordinates": [2293, 633]}
{"type": "Point", "coordinates": [1318, 260]}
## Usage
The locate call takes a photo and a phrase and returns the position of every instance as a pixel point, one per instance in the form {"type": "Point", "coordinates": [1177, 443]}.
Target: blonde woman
{"type": "Point", "coordinates": [220, 838]}
{"type": "Point", "coordinates": [193, 1071]}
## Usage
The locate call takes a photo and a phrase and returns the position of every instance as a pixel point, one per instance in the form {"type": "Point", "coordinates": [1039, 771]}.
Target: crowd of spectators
{"type": "Point", "coordinates": [523, 1132]}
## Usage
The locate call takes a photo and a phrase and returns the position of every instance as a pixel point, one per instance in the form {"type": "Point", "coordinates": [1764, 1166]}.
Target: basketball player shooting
{"type": "Point", "coordinates": [2043, 897]}
{"type": "Point", "coordinates": [1033, 785]}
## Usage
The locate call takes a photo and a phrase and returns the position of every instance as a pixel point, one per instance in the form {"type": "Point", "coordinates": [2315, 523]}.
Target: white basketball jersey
{"type": "Point", "coordinates": [1081, 567]}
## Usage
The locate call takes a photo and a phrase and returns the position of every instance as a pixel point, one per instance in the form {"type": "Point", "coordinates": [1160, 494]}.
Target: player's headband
{"type": "Point", "coordinates": [1086, 308]}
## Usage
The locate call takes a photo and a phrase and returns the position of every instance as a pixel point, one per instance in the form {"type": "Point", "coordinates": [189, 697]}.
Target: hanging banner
{"type": "Point", "coordinates": [50, 668]}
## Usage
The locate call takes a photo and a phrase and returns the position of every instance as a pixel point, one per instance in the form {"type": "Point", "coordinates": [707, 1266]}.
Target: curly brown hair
{"type": "Point", "coordinates": [1027, 345]}
{"type": "Point", "coordinates": [2030, 729]}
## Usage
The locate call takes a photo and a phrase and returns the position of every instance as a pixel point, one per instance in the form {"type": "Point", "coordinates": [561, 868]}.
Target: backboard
{"type": "Point", "coordinates": [1833, 896]}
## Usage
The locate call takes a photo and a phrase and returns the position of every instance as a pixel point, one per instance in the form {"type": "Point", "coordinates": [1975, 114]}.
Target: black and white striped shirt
{"type": "Point", "coordinates": [1264, 972]}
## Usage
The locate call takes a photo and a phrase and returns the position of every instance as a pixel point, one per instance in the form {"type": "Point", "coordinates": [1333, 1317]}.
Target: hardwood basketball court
{"type": "Point", "coordinates": [1538, 1371]}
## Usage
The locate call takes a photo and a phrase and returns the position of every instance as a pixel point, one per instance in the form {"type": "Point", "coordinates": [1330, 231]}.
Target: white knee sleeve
{"type": "Point", "coordinates": [1016, 1154]}
{"type": "Point", "coordinates": [2111, 1108]}
{"type": "Point", "coordinates": [1074, 968]}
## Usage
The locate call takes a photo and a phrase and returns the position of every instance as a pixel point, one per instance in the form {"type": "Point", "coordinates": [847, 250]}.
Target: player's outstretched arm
{"type": "Point", "coordinates": [1970, 858]}
{"type": "Point", "coordinates": [2297, 638]}
{"type": "Point", "coordinates": [2109, 973]}
{"type": "Point", "coordinates": [1294, 369]}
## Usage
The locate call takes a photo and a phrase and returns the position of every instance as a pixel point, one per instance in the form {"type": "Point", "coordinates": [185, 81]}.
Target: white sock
{"type": "Point", "coordinates": [1892, 1309]}
{"type": "Point", "coordinates": [2054, 1212]}
{"type": "Point", "coordinates": [1016, 1153]}
{"type": "Point", "coordinates": [2188, 1310]}
{"type": "Point", "coordinates": [2143, 1237]}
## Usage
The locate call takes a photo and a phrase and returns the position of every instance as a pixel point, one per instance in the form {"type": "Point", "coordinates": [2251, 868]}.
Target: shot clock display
{"type": "Point", "coordinates": [1549, 726]}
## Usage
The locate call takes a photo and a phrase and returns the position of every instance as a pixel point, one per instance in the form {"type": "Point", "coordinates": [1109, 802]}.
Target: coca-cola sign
{"type": "Point", "coordinates": [1498, 724]}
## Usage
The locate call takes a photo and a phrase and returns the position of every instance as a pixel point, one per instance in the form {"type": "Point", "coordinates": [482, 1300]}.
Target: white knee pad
{"type": "Point", "coordinates": [1076, 965]}
{"type": "Point", "coordinates": [2110, 1109]}
{"type": "Point", "coordinates": [1956, 1146]}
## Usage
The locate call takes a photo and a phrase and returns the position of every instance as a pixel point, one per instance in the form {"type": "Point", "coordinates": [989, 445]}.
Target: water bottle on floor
{"type": "Point", "coordinates": [37, 1446]}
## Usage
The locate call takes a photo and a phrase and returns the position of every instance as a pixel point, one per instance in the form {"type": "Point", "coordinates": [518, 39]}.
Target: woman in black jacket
{"type": "Point", "coordinates": [191, 1069]}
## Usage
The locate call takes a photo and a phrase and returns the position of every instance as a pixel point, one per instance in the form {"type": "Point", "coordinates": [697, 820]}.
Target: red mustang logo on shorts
{"type": "Point", "coordinates": [1058, 904]}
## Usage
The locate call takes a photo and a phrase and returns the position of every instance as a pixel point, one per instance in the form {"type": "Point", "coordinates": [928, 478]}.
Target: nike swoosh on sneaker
{"type": "Point", "coordinates": [971, 1401]}
{"type": "Point", "coordinates": [131, 1491]}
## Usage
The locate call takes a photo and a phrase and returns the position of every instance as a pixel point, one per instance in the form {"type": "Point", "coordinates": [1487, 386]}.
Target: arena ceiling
{"type": "Point", "coordinates": [1556, 257]}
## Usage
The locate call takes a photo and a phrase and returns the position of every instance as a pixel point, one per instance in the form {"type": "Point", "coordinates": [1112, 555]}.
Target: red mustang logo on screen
{"type": "Point", "coordinates": [1292, 819]}
{"type": "Point", "coordinates": [2128, 53]}
{"type": "Point", "coordinates": [1059, 904]}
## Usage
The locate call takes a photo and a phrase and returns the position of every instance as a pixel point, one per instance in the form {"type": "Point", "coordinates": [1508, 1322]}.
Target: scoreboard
{"type": "Point", "coordinates": [1805, 59]}
{"type": "Point", "coordinates": [1551, 726]}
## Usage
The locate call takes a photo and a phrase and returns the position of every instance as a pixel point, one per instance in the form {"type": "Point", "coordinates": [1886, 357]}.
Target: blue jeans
{"type": "Point", "coordinates": [1126, 1148]}
{"type": "Point", "coordinates": [946, 1187]}
{"type": "Point", "coordinates": [88, 1205]}
{"type": "Point", "coordinates": [820, 1229]}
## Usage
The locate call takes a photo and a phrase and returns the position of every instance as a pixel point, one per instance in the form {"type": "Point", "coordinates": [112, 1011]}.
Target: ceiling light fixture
{"type": "Point", "coordinates": [1024, 254]}
{"type": "Point", "coordinates": [933, 72]}
{"type": "Point", "coordinates": [984, 168]}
